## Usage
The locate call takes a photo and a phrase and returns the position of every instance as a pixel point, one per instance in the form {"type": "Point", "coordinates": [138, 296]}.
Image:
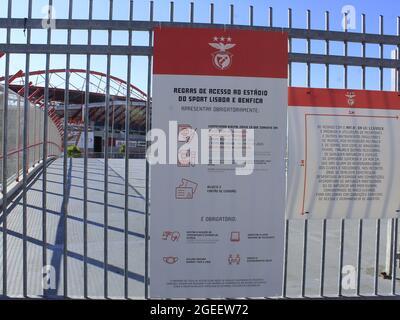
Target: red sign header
{"type": "Point", "coordinates": [219, 52]}
{"type": "Point", "coordinates": [344, 98]}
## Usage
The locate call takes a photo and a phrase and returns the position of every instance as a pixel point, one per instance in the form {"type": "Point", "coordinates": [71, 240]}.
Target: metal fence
{"type": "Point", "coordinates": [14, 123]}
{"type": "Point", "coordinates": [316, 252]}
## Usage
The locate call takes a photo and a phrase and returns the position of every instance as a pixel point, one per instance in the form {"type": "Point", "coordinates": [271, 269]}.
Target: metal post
{"type": "Point", "coordinates": [106, 138]}
{"type": "Point", "coordinates": [380, 53]}
{"type": "Point", "coordinates": [359, 255]}
{"type": "Point", "coordinates": [398, 54]}
{"type": "Point", "coordinates": [396, 220]}
{"type": "Point", "coordinates": [389, 247]}
{"type": "Point", "coordinates": [290, 46]}
{"type": "Point", "coordinates": [127, 128]}
{"type": "Point", "coordinates": [148, 127]}
{"type": "Point", "coordinates": [363, 51]}
{"type": "Point", "coordinates": [378, 221]}
{"type": "Point", "coordinates": [287, 225]}
{"type": "Point", "coordinates": [324, 222]}
{"type": "Point", "coordinates": [5, 155]}
{"type": "Point", "coordinates": [308, 49]}
{"type": "Point", "coordinates": [360, 223]}
{"type": "Point", "coordinates": [284, 287]}
{"type": "Point", "coordinates": [171, 12]}
{"type": "Point", "coordinates": [251, 18]}
{"type": "Point", "coordinates": [85, 160]}
{"type": "Point", "coordinates": [24, 148]}
{"type": "Point", "coordinates": [45, 151]}
{"type": "Point", "coordinates": [345, 52]}
{"type": "Point", "coordinates": [65, 163]}
{"type": "Point", "coordinates": [270, 16]}
{"type": "Point", "coordinates": [212, 13]}
{"type": "Point", "coordinates": [342, 221]}
{"type": "Point", "coordinates": [327, 49]}
{"type": "Point", "coordinates": [232, 14]}
{"type": "Point", "coordinates": [394, 268]}
{"type": "Point", "coordinates": [191, 12]}
{"type": "Point", "coordinates": [305, 238]}
{"type": "Point", "coordinates": [18, 136]}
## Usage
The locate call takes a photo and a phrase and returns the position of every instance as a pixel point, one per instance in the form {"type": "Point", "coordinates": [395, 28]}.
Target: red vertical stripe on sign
{"type": "Point", "coordinates": [219, 52]}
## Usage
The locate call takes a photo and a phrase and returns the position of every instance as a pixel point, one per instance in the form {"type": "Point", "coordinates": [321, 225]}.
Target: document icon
{"type": "Point", "coordinates": [186, 189]}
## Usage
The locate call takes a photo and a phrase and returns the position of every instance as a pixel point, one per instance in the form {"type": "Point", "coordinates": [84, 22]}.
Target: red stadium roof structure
{"type": "Point", "coordinates": [97, 94]}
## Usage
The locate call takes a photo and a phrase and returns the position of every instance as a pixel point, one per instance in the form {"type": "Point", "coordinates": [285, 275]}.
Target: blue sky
{"type": "Point", "coordinates": [389, 8]}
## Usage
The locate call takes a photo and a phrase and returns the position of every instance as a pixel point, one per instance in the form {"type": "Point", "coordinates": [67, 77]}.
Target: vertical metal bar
{"type": "Point", "coordinates": [18, 142]}
{"type": "Point", "coordinates": [287, 225]}
{"type": "Point", "coordinates": [342, 230]}
{"type": "Point", "coordinates": [381, 53]}
{"type": "Point", "coordinates": [308, 49]}
{"type": "Point", "coordinates": [360, 223]}
{"type": "Point", "coordinates": [24, 148]}
{"type": "Point", "coordinates": [212, 13]}
{"type": "Point", "coordinates": [191, 12]}
{"type": "Point", "coordinates": [378, 221]}
{"type": "Point", "coordinates": [327, 49]}
{"type": "Point", "coordinates": [148, 127]}
{"type": "Point", "coordinates": [112, 125]}
{"type": "Point", "coordinates": [270, 10]}
{"type": "Point", "coordinates": [106, 138]}
{"type": "Point", "coordinates": [398, 55]}
{"type": "Point", "coordinates": [171, 12]}
{"type": "Point", "coordinates": [304, 268]}
{"type": "Point", "coordinates": [85, 160]}
{"type": "Point", "coordinates": [359, 255]}
{"type": "Point", "coordinates": [232, 14]}
{"type": "Point", "coordinates": [305, 238]}
{"type": "Point", "coordinates": [35, 128]}
{"type": "Point", "coordinates": [284, 288]}
{"type": "Point", "coordinates": [363, 51]}
{"type": "Point", "coordinates": [389, 247]}
{"type": "Point", "coordinates": [45, 149]}
{"type": "Point", "coordinates": [251, 16]}
{"type": "Point", "coordinates": [394, 261]}
{"type": "Point", "coordinates": [345, 52]}
{"type": "Point", "coordinates": [5, 154]}
{"type": "Point", "coordinates": [377, 245]}
{"type": "Point", "coordinates": [127, 120]}
{"type": "Point", "coordinates": [323, 252]}
{"type": "Point", "coordinates": [396, 220]}
{"type": "Point", "coordinates": [65, 163]}
{"type": "Point", "coordinates": [342, 221]}
{"type": "Point", "coordinates": [290, 46]}
{"type": "Point", "coordinates": [324, 222]}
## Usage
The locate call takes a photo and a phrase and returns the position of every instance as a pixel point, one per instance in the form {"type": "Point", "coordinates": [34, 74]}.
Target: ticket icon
{"type": "Point", "coordinates": [186, 189]}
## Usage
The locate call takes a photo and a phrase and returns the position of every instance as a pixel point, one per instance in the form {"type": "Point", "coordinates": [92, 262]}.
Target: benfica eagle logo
{"type": "Point", "coordinates": [351, 98]}
{"type": "Point", "coordinates": [222, 59]}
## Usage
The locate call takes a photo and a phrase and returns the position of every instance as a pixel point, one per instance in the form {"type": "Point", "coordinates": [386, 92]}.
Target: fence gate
{"type": "Point", "coordinates": [74, 220]}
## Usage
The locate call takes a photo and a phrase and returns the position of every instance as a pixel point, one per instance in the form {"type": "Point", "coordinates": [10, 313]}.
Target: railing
{"type": "Point", "coordinates": [13, 126]}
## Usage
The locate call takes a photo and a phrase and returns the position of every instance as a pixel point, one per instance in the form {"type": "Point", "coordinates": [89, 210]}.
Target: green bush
{"type": "Point", "coordinates": [73, 151]}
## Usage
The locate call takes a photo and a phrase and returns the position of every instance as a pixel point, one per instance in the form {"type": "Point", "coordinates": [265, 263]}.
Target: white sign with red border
{"type": "Point", "coordinates": [344, 152]}
{"type": "Point", "coordinates": [214, 233]}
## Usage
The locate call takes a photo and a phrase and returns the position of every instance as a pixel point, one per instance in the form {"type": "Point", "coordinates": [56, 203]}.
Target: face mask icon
{"type": "Point", "coordinates": [170, 259]}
